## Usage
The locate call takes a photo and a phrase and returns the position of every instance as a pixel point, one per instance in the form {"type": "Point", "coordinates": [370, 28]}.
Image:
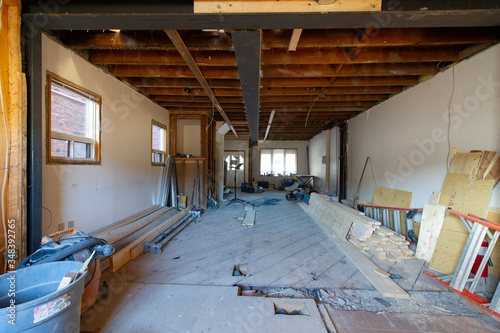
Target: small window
{"type": "Point", "coordinates": [278, 162]}
{"type": "Point", "coordinates": [158, 143]}
{"type": "Point", "coordinates": [73, 123]}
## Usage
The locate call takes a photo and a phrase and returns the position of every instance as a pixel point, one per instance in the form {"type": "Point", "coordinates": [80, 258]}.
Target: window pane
{"type": "Point", "coordinates": [265, 162]}
{"type": "Point", "coordinates": [290, 162]}
{"type": "Point", "coordinates": [59, 148]}
{"type": "Point", "coordinates": [279, 162]}
{"type": "Point", "coordinates": [158, 138]}
{"type": "Point", "coordinates": [72, 113]}
{"type": "Point", "coordinates": [82, 150]}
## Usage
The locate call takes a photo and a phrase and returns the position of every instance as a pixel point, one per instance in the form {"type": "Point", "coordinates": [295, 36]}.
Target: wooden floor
{"type": "Point", "coordinates": [285, 248]}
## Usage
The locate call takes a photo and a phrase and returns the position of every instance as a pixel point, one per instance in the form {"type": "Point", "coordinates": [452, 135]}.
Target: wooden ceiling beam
{"type": "Point", "coordinates": [318, 104]}
{"type": "Point", "coordinates": [341, 81]}
{"type": "Point", "coordinates": [173, 71]}
{"type": "Point", "coordinates": [366, 55]}
{"type": "Point", "coordinates": [194, 99]}
{"type": "Point", "coordinates": [195, 40]}
{"type": "Point", "coordinates": [323, 98]}
{"type": "Point", "coordinates": [191, 92]}
{"type": "Point", "coordinates": [278, 91]}
{"type": "Point", "coordinates": [290, 110]}
{"type": "Point", "coordinates": [181, 47]}
{"type": "Point", "coordinates": [160, 57]}
{"type": "Point", "coordinates": [207, 106]}
{"type": "Point", "coordinates": [270, 71]}
{"type": "Point", "coordinates": [148, 82]}
{"type": "Point", "coordinates": [319, 38]}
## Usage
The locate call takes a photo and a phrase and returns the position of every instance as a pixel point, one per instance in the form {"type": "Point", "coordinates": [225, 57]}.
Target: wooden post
{"type": "Point", "coordinates": [12, 135]}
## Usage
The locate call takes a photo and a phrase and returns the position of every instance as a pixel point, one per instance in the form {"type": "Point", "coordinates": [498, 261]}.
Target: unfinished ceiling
{"type": "Point", "coordinates": [311, 78]}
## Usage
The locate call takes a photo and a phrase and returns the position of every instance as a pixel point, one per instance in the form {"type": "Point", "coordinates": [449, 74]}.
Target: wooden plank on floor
{"type": "Point", "coordinates": [121, 257]}
{"type": "Point", "coordinates": [249, 218]}
{"type": "Point", "coordinates": [430, 228]}
{"type": "Point", "coordinates": [108, 229]}
{"type": "Point", "coordinates": [384, 285]}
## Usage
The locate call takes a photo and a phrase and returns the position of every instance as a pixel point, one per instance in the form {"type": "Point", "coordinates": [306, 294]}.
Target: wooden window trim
{"type": "Point", "coordinates": [157, 123]}
{"type": "Point", "coordinates": [95, 142]}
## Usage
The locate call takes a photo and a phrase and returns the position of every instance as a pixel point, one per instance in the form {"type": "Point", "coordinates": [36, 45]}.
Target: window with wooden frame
{"type": "Point", "coordinates": [158, 143]}
{"type": "Point", "coordinates": [278, 162]}
{"type": "Point", "coordinates": [73, 123]}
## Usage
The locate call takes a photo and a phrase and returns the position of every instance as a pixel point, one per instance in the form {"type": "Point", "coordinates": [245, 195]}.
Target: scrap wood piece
{"type": "Point", "coordinates": [124, 255]}
{"type": "Point", "coordinates": [493, 171]}
{"type": "Point", "coordinates": [430, 228]}
{"type": "Point", "coordinates": [488, 157]}
{"type": "Point", "coordinates": [330, 325]}
{"type": "Point", "coordinates": [249, 218]}
{"type": "Point", "coordinates": [384, 285]}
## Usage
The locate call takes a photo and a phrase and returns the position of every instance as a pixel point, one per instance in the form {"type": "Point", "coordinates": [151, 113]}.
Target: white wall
{"type": "Point", "coordinates": [406, 136]}
{"type": "Point", "coordinates": [302, 166]}
{"type": "Point", "coordinates": [189, 137]}
{"type": "Point", "coordinates": [318, 148]}
{"type": "Point", "coordinates": [94, 196]}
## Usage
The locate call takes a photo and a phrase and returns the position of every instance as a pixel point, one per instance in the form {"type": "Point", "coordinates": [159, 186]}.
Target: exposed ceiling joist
{"type": "Point", "coordinates": [247, 46]}
{"type": "Point", "coordinates": [184, 52]}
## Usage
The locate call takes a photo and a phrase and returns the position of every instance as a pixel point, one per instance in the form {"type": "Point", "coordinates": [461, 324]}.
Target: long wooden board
{"type": "Point", "coordinates": [430, 228]}
{"type": "Point", "coordinates": [385, 285]}
{"type": "Point", "coordinates": [133, 227]}
{"type": "Point", "coordinates": [100, 233]}
{"type": "Point", "coordinates": [121, 257]}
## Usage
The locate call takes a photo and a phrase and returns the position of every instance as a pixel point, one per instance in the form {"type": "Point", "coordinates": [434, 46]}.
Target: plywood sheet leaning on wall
{"type": "Point", "coordinates": [462, 193]}
{"type": "Point", "coordinates": [389, 197]}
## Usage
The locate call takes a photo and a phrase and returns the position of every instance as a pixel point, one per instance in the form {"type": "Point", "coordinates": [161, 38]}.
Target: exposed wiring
{"type": "Point", "coordinates": [449, 118]}
{"type": "Point", "coordinates": [307, 117]}
{"type": "Point", "coordinates": [50, 216]}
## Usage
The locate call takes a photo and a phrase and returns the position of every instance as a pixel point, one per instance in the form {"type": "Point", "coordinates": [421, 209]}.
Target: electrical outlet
{"type": "Point", "coordinates": [71, 224]}
{"type": "Point", "coordinates": [61, 226]}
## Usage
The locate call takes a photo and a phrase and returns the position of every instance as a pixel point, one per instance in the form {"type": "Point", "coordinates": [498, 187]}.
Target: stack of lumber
{"type": "Point", "coordinates": [339, 217]}
{"type": "Point", "coordinates": [466, 189]}
{"type": "Point", "coordinates": [385, 244]}
{"type": "Point", "coordinates": [366, 234]}
{"type": "Point", "coordinates": [129, 235]}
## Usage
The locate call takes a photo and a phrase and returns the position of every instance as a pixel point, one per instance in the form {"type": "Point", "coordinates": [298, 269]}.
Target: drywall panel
{"type": "Point", "coordinates": [406, 136]}
{"type": "Point", "coordinates": [189, 137]}
{"type": "Point", "coordinates": [302, 168]}
{"type": "Point", "coordinates": [318, 158]}
{"type": "Point", "coordinates": [94, 196]}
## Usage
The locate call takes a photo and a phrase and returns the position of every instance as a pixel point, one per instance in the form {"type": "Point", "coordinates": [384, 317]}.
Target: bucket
{"type": "Point", "coordinates": [30, 301]}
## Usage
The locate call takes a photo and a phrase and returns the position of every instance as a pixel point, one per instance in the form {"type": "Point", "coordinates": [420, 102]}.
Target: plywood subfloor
{"type": "Point", "coordinates": [284, 249]}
